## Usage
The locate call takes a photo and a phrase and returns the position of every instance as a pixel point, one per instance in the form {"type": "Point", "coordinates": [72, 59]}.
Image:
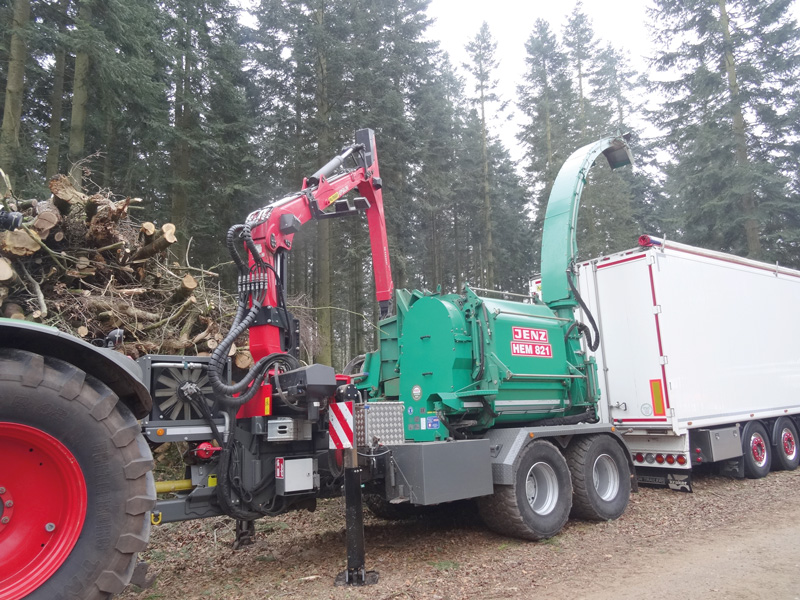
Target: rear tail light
{"type": "Point", "coordinates": [639, 457]}
{"type": "Point", "coordinates": [681, 459]}
{"type": "Point", "coordinates": [670, 459]}
{"type": "Point", "coordinates": [660, 459]}
{"type": "Point", "coordinates": [649, 457]}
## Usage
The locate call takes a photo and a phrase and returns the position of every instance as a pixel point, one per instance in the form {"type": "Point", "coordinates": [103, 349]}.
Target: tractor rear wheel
{"type": "Point", "coordinates": [537, 505]}
{"type": "Point", "coordinates": [77, 487]}
{"type": "Point", "coordinates": [601, 478]}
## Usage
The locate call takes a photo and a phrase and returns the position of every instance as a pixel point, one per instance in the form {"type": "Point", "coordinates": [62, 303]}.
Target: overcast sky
{"type": "Point", "coordinates": [621, 22]}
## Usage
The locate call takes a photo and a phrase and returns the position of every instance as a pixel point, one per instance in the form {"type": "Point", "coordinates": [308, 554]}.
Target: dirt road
{"type": "Point", "coordinates": [728, 540]}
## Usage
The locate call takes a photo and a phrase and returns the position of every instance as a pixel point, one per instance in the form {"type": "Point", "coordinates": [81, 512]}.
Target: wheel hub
{"type": "Point", "coordinates": [605, 477]}
{"type": "Point", "coordinates": [758, 449]}
{"type": "Point", "coordinates": [788, 443]}
{"type": "Point", "coordinates": [44, 504]}
{"type": "Point", "coordinates": [541, 488]}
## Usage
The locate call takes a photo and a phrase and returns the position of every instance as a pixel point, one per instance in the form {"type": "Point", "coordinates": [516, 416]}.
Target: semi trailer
{"type": "Point", "coordinates": [698, 358]}
{"type": "Point", "coordinates": [470, 395]}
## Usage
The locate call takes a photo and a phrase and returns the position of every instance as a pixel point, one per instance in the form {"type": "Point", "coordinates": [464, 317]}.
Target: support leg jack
{"type": "Point", "coordinates": [245, 534]}
{"type": "Point", "coordinates": [356, 573]}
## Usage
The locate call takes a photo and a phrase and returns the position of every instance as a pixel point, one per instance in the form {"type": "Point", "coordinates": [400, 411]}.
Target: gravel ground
{"type": "Point", "coordinates": [728, 539]}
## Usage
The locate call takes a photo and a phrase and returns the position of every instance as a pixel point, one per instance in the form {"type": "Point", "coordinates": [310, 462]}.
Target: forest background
{"type": "Point", "coordinates": [207, 110]}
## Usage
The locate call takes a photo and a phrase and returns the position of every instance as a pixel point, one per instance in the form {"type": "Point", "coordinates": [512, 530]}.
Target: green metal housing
{"type": "Point", "coordinates": [463, 364]}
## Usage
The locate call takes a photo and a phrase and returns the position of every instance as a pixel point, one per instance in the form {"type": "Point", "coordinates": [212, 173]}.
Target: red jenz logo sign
{"type": "Point", "coordinates": [530, 342]}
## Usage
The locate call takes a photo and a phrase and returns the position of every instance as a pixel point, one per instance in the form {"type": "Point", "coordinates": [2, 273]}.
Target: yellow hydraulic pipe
{"type": "Point", "coordinates": [177, 485]}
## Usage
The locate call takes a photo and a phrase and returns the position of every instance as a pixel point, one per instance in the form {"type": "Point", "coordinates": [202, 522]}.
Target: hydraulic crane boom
{"type": "Point", "coordinates": [273, 227]}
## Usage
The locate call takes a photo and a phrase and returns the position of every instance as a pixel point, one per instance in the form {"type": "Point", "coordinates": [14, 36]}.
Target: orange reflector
{"type": "Point", "coordinates": [160, 431]}
{"type": "Point", "coordinates": [658, 398]}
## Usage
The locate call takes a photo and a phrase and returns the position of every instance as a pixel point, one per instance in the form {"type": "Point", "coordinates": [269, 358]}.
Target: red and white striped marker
{"type": "Point", "coordinates": [341, 425]}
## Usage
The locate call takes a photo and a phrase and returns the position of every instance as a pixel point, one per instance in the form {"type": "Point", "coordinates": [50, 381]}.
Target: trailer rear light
{"type": "Point", "coordinates": [660, 459]}
{"type": "Point", "coordinates": [681, 459]}
{"type": "Point", "coordinates": [649, 458]}
{"type": "Point", "coordinates": [639, 457]}
{"type": "Point", "coordinates": [670, 459]}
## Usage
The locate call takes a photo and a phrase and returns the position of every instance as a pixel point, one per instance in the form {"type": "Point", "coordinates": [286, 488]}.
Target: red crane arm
{"type": "Point", "coordinates": [273, 226]}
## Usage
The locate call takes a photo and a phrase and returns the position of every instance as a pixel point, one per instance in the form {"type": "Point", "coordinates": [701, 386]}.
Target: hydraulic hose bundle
{"type": "Point", "coordinates": [252, 283]}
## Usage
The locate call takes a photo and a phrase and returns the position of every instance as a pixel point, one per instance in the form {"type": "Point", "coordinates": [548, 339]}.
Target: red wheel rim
{"type": "Point", "coordinates": [789, 448]}
{"type": "Point", "coordinates": [43, 508]}
{"type": "Point", "coordinates": [759, 449]}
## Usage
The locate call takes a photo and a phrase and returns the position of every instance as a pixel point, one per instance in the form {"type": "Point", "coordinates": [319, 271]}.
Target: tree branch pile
{"type": "Point", "coordinates": [82, 264]}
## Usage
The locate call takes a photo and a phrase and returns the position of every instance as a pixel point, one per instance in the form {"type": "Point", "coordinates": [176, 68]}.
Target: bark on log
{"type": "Point", "coordinates": [107, 306]}
{"type": "Point", "coordinates": [12, 310]}
{"type": "Point", "coordinates": [243, 359]}
{"type": "Point", "coordinates": [147, 233]}
{"type": "Point", "coordinates": [64, 194]}
{"type": "Point", "coordinates": [162, 242]}
{"type": "Point", "coordinates": [47, 217]}
{"type": "Point", "coordinates": [3, 294]}
{"type": "Point", "coordinates": [8, 275]}
{"type": "Point", "coordinates": [185, 289]}
{"type": "Point", "coordinates": [103, 217]}
{"type": "Point", "coordinates": [19, 242]}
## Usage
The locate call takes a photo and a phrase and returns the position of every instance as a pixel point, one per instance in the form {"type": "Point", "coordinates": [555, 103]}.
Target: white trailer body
{"type": "Point", "coordinates": [693, 344]}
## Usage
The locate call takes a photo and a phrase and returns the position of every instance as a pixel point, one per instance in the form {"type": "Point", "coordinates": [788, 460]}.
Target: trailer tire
{"type": "Point", "coordinates": [601, 482]}
{"type": "Point", "coordinates": [537, 505]}
{"type": "Point", "coordinates": [756, 450]}
{"type": "Point", "coordinates": [80, 474]}
{"type": "Point", "coordinates": [787, 456]}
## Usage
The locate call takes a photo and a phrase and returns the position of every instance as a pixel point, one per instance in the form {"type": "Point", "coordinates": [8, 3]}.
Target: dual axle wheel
{"type": "Point", "coordinates": [592, 481]}
{"type": "Point", "coordinates": [757, 449]}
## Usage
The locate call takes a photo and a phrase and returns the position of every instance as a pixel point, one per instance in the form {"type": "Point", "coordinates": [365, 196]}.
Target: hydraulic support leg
{"type": "Point", "coordinates": [356, 572]}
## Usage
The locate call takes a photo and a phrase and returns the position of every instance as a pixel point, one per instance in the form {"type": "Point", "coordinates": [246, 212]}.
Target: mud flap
{"type": "Point", "coordinates": [680, 481]}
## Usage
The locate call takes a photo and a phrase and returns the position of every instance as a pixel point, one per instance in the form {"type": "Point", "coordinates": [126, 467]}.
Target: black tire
{"type": "Point", "coordinates": [601, 478]}
{"type": "Point", "coordinates": [756, 450]}
{"type": "Point", "coordinates": [46, 395]}
{"type": "Point", "coordinates": [537, 505]}
{"type": "Point", "coordinates": [787, 454]}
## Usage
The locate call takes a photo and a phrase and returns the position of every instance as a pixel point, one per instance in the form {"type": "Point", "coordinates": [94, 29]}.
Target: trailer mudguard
{"type": "Point", "coordinates": [116, 370]}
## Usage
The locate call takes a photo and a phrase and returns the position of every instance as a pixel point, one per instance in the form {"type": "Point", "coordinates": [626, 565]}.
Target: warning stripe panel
{"type": "Point", "coordinates": [340, 429]}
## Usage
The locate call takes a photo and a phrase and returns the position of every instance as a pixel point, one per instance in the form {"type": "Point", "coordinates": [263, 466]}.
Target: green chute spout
{"type": "Point", "coordinates": [559, 245]}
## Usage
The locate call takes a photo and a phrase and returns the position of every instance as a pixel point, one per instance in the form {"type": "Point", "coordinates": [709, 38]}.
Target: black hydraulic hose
{"type": "Point", "coordinates": [594, 344]}
{"type": "Point", "coordinates": [230, 242]}
{"type": "Point", "coordinates": [225, 487]}
{"type": "Point", "coordinates": [588, 416]}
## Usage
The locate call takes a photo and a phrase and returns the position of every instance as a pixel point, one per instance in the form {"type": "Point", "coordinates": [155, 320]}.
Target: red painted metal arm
{"type": "Point", "coordinates": [273, 227]}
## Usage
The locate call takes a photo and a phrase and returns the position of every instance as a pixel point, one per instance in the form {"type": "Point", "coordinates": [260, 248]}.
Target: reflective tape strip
{"type": "Point", "coordinates": [341, 425]}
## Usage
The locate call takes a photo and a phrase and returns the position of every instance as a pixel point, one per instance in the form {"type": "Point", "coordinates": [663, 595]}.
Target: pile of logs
{"type": "Point", "coordinates": [82, 264]}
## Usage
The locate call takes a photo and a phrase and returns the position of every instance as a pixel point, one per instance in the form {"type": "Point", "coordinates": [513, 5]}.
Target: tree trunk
{"type": "Point", "coordinates": [487, 205]}
{"type": "Point", "coordinates": [182, 154]}
{"type": "Point", "coordinates": [12, 111]}
{"type": "Point", "coordinates": [80, 97]}
{"type": "Point", "coordinates": [751, 227]}
{"type": "Point", "coordinates": [57, 103]}
{"type": "Point", "coordinates": [322, 299]}
{"type": "Point", "coordinates": [56, 113]}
